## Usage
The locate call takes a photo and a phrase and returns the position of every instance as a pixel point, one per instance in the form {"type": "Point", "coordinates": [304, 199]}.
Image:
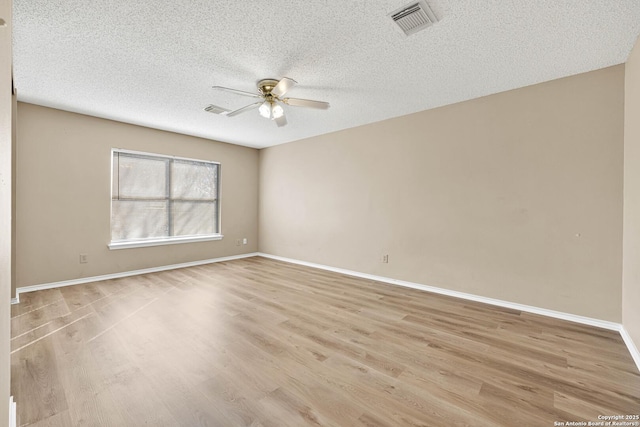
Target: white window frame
{"type": "Point", "coordinates": [168, 240]}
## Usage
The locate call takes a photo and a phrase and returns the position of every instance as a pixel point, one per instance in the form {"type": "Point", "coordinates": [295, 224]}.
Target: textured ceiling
{"type": "Point", "coordinates": [153, 62]}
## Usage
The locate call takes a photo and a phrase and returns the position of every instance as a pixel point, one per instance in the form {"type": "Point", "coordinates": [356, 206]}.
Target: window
{"type": "Point", "coordinates": [159, 200]}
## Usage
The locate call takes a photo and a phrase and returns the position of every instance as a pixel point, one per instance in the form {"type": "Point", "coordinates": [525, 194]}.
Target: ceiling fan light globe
{"type": "Point", "coordinates": [277, 111]}
{"type": "Point", "coordinates": [265, 110]}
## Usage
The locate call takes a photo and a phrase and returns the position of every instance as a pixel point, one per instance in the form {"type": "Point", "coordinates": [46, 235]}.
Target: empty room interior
{"type": "Point", "coordinates": [280, 213]}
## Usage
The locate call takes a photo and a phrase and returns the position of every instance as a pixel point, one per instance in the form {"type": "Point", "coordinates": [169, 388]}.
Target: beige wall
{"type": "Point", "coordinates": [516, 196]}
{"type": "Point", "coordinates": [631, 264]}
{"type": "Point", "coordinates": [5, 207]}
{"type": "Point", "coordinates": [63, 195]}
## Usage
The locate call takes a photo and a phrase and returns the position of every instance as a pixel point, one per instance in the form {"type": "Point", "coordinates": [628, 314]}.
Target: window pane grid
{"type": "Point", "coordinates": [146, 188]}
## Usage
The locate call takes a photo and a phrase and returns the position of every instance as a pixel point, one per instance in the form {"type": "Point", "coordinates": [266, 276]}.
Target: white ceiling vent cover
{"type": "Point", "coordinates": [414, 17]}
{"type": "Point", "coordinates": [216, 110]}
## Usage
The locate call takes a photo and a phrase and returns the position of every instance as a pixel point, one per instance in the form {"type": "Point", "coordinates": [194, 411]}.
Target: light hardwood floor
{"type": "Point", "coordinates": [257, 342]}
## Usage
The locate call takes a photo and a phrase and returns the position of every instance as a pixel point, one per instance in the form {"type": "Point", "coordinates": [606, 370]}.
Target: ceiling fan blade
{"type": "Point", "coordinates": [237, 92]}
{"type": "Point", "coordinates": [306, 103]}
{"type": "Point", "coordinates": [283, 86]}
{"type": "Point", "coordinates": [243, 109]}
{"type": "Point", "coordinates": [281, 121]}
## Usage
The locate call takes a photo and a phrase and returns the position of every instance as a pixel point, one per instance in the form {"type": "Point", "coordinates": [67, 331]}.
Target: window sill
{"type": "Point", "coordinates": [162, 241]}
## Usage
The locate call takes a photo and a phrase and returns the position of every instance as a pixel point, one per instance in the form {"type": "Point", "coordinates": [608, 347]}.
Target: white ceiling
{"type": "Point", "coordinates": [153, 62]}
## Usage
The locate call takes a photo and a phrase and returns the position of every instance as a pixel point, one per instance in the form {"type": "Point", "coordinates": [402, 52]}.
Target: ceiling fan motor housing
{"type": "Point", "coordinates": [265, 86]}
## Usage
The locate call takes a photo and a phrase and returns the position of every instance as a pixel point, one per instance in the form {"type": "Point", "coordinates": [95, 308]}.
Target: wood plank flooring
{"type": "Point", "coordinates": [257, 342]}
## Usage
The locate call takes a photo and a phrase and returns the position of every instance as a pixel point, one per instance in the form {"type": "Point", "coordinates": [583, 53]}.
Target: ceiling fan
{"type": "Point", "coordinates": [271, 94]}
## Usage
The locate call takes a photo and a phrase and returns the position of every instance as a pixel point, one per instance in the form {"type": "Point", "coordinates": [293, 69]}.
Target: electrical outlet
{"type": "Point", "coordinates": [83, 259]}
{"type": "Point", "coordinates": [238, 242]}
{"type": "Point", "coordinates": [384, 259]}
{"type": "Point", "coordinates": [244, 241]}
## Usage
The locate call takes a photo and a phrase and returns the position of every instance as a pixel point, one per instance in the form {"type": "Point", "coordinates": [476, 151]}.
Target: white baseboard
{"type": "Point", "coordinates": [630, 345]}
{"type": "Point", "coordinates": [12, 412]}
{"type": "Point", "coordinates": [16, 300]}
{"type": "Point", "coordinates": [81, 280]}
{"type": "Point", "coordinates": [471, 297]}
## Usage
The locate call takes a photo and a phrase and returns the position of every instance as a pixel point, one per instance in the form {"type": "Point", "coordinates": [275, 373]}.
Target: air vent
{"type": "Point", "coordinates": [414, 17]}
{"type": "Point", "coordinates": [216, 110]}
